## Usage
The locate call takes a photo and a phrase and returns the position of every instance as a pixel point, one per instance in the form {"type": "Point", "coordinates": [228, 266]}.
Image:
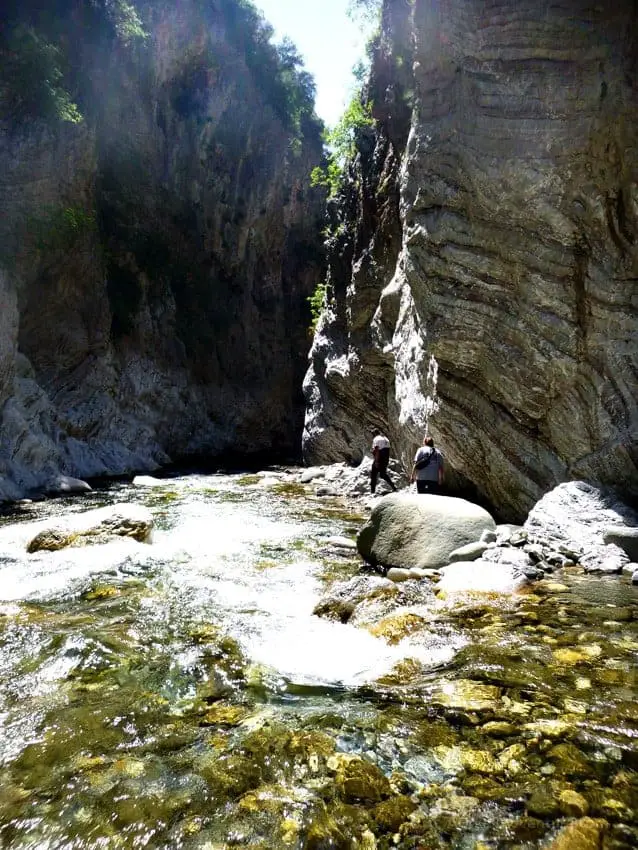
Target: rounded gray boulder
{"type": "Point", "coordinates": [413, 530]}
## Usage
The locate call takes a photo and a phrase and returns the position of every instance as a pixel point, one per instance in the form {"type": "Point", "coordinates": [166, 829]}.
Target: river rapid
{"type": "Point", "coordinates": [181, 694]}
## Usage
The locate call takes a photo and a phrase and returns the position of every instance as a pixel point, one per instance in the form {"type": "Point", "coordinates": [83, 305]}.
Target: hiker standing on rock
{"type": "Point", "coordinates": [381, 457]}
{"type": "Point", "coordinates": [428, 468]}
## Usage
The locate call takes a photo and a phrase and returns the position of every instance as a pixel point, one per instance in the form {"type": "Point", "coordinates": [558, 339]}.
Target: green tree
{"type": "Point", "coordinates": [341, 144]}
{"type": "Point", "coordinates": [40, 65]}
{"type": "Point", "coordinates": [369, 11]}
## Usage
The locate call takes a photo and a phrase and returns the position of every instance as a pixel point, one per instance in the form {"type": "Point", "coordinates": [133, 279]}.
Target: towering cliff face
{"type": "Point", "coordinates": [491, 224]}
{"type": "Point", "coordinates": [156, 257]}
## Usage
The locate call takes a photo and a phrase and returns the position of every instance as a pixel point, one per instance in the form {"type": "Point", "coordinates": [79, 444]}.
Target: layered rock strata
{"type": "Point", "coordinates": [156, 261]}
{"type": "Point", "coordinates": [484, 256]}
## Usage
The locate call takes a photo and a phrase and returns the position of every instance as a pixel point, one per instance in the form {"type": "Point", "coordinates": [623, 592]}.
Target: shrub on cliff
{"type": "Point", "coordinates": [40, 73]}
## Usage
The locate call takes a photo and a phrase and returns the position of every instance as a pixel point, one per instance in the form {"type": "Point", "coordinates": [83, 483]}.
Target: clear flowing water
{"type": "Point", "coordinates": [182, 693]}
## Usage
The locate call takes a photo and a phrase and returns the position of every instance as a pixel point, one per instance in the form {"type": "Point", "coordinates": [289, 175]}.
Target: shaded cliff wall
{"type": "Point", "coordinates": [490, 223]}
{"type": "Point", "coordinates": [156, 259]}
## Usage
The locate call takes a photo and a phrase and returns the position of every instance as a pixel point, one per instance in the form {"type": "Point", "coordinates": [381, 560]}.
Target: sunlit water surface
{"type": "Point", "coordinates": [182, 694]}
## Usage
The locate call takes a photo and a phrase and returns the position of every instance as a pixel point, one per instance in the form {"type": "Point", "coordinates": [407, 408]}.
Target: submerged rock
{"type": "Point", "coordinates": [408, 530]}
{"type": "Point", "coordinates": [98, 526]}
{"type": "Point", "coordinates": [583, 834]}
{"type": "Point", "coordinates": [466, 695]}
{"type": "Point", "coordinates": [357, 780]}
{"type": "Point", "coordinates": [344, 596]}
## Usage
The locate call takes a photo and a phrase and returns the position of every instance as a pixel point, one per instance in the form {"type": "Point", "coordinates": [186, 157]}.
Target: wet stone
{"type": "Point", "coordinates": [573, 804]}
{"type": "Point", "coordinates": [394, 628]}
{"type": "Point", "coordinates": [390, 814]}
{"type": "Point", "coordinates": [583, 834]}
{"type": "Point", "coordinates": [543, 803]}
{"type": "Point", "coordinates": [527, 829]}
{"type": "Point", "coordinates": [466, 695]}
{"type": "Point", "coordinates": [359, 780]}
{"type": "Point", "coordinates": [569, 760]}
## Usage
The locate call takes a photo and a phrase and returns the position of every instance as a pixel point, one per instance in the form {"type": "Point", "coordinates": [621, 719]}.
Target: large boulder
{"type": "Point", "coordinates": [98, 526]}
{"type": "Point", "coordinates": [412, 530]}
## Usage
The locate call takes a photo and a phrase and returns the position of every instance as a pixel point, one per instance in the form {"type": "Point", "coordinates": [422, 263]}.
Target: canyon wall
{"type": "Point", "coordinates": [156, 257]}
{"type": "Point", "coordinates": [484, 251]}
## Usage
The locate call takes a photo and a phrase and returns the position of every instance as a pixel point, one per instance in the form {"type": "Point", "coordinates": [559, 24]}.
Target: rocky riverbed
{"type": "Point", "coordinates": [234, 675]}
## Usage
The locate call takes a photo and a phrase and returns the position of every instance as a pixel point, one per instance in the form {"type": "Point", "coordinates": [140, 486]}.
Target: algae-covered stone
{"type": "Point", "coordinates": [569, 760]}
{"type": "Point", "coordinates": [229, 776]}
{"type": "Point", "coordinates": [480, 761]}
{"type": "Point", "coordinates": [323, 832]}
{"type": "Point", "coordinates": [567, 657]}
{"type": "Point", "coordinates": [434, 734]}
{"type": "Point", "coordinates": [542, 802]}
{"type": "Point", "coordinates": [453, 812]}
{"type": "Point", "coordinates": [484, 788]}
{"type": "Point", "coordinates": [527, 828]}
{"type": "Point", "coordinates": [572, 803]}
{"type": "Point", "coordinates": [357, 780]}
{"type": "Point", "coordinates": [510, 758]}
{"type": "Point", "coordinates": [398, 626]}
{"type": "Point", "coordinates": [499, 729]}
{"type": "Point", "coordinates": [223, 715]}
{"type": "Point", "coordinates": [550, 728]}
{"type": "Point", "coordinates": [98, 526]}
{"type": "Point", "coordinates": [551, 587]}
{"type": "Point", "coordinates": [412, 531]}
{"type": "Point", "coordinates": [615, 809]}
{"type": "Point", "coordinates": [583, 834]}
{"type": "Point", "coordinates": [390, 814]}
{"type": "Point", "coordinates": [466, 695]}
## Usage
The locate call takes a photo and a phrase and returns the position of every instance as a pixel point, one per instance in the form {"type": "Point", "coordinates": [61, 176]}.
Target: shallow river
{"type": "Point", "coordinates": [182, 694]}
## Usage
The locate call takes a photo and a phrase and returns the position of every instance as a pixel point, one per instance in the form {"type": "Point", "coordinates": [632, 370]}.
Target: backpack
{"type": "Point", "coordinates": [424, 461]}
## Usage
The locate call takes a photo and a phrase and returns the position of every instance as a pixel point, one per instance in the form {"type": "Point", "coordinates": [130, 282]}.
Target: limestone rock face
{"type": "Point", "coordinates": [420, 531]}
{"type": "Point", "coordinates": [156, 259]}
{"type": "Point", "coordinates": [485, 252]}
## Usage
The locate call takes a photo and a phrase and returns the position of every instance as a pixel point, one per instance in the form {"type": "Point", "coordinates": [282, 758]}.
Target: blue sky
{"type": "Point", "coordinates": [329, 42]}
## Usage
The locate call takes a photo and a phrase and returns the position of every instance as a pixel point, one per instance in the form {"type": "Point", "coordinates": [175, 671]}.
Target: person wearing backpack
{"type": "Point", "coordinates": [428, 468]}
